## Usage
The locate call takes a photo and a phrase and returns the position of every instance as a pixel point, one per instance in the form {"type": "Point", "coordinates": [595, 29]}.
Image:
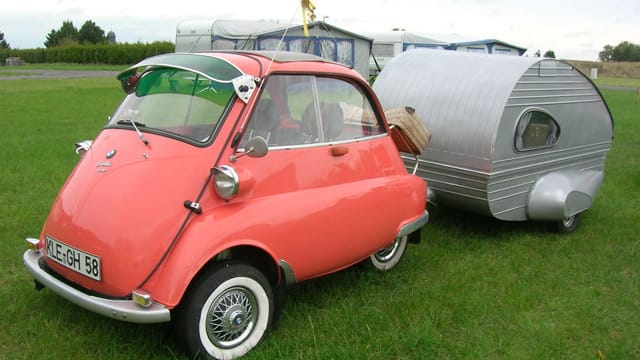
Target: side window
{"type": "Point", "coordinates": [345, 112]}
{"type": "Point", "coordinates": [277, 116]}
{"type": "Point", "coordinates": [536, 129]}
{"type": "Point", "coordinates": [297, 110]}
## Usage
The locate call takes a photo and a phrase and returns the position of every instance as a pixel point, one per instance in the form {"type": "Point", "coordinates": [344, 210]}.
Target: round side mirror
{"type": "Point", "coordinates": [256, 147]}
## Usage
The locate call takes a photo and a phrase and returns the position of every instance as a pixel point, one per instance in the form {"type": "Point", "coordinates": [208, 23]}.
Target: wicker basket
{"type": "Point", "coordinates": [407, 130]}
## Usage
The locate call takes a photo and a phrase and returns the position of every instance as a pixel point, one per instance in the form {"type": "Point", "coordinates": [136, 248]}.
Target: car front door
{"type": "Point", "coordinates": [328, 177]}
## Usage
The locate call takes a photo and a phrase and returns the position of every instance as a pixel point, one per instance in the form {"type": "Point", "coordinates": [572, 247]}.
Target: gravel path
{"type": "Point", "coordinates": [619, 88]}
{"type": "Point", "coordinates": [55, 74]}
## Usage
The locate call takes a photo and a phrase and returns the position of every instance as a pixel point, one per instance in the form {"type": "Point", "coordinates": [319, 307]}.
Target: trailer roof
{"type": "Point", "coordinates": [488, 41]}
{"type": "Point", "coordinates": [462, 97]}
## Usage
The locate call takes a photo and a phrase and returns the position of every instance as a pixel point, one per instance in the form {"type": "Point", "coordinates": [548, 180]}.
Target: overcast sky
{"type": "Point", "coordinates": [572, 29]}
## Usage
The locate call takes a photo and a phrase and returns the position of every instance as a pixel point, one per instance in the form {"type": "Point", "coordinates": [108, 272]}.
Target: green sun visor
{"type": "Point", "coordinates": [212, 68]}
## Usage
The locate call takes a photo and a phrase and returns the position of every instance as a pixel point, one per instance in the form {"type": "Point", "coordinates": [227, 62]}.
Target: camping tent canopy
{"type": "Point", "coordinates": [325, 40]}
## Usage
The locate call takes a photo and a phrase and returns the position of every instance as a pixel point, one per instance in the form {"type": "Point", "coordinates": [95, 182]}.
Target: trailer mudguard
{"type": "Point", "coordinates": [564, 193]}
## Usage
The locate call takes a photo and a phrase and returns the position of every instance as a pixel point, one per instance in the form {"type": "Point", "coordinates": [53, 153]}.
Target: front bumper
{"type": "Point", "coordinates": [124, 310]}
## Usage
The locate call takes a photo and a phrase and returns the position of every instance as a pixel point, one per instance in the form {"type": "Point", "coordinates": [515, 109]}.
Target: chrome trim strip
{"type": "Point", "coordinates": [326, 143]}
{"type": "Point", "coordinates": [123, 310]}
{"type": "Point", "coordinates": [414, 225]}
{"type": "Point", "coordinates": [509, 210]}
{"type": "Point", "coordinates": [549, 96]}
{"type": "Point", "coordinates": [554, 103]}
{"type": "Point", "coordinates": [551, 89]}
{"type": "Point", "coordinates": [591, 148]}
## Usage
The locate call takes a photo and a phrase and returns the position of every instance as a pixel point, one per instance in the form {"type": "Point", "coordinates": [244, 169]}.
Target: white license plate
{"type": "Point", "coordinates": [74, 259]}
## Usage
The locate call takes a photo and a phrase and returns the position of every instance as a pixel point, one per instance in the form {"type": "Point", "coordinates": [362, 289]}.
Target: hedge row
{"type": "Point", "coordinates": [114, 54]}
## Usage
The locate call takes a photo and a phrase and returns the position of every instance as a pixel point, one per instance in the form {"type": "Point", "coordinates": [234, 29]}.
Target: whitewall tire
{"type": "Point", "coordinates": [387, 258]}
{"type": "Point", "coordinates": [226, 313]}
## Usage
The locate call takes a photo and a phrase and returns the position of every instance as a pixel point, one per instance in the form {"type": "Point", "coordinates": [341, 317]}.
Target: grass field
{"type": "Point", "coordinates": [474, 288]}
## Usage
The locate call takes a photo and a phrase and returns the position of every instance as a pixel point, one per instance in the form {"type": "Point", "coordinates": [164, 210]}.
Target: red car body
{"type": "Point", "coordinates": [152, 205]}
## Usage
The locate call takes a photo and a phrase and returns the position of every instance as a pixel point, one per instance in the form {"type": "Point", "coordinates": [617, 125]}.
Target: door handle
{"type": "Point", "coordinates": [339, 150]}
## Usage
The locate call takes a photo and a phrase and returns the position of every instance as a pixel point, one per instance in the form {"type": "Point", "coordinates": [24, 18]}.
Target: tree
{"type": "Point", "coordinates": [537, 53]}
{"type": "Point", "coordinates": [66, 35]}
{"type": "Point", "coordinates": [606, 54]}
{"type": "Point", "coordinates": [90, 33]}
{"type": "Point", "coordinates": [3, 42]}
{"type": "Point", "coordinates": [52, 39]}
{"type": "Point", "coordinates": [550, 54]}
{"type": "Point", "coordinates": [625, 51]}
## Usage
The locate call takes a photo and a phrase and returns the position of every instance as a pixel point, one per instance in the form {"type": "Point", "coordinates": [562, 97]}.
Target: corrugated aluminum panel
{"type": "Point", "coordinates": [453, 92]}
{"type": "Point", "coordinates": [471, 104]}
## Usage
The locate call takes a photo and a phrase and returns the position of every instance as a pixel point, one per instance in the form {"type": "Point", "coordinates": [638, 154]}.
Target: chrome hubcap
{"type": "Point", "coordinates": [386, 254]}
{"type": "Point", "coordinates": [568, 221]}
{"type": "Point", "coordinates": [231, 317]}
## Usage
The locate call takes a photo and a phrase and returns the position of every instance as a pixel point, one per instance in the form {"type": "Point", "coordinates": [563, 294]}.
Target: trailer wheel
{"type": "Point", "coordinates": [569, 224]}
{"type": "Point", "coordinates": [388, 258]}
{"type": "Point", "coordinates": [226, 313]}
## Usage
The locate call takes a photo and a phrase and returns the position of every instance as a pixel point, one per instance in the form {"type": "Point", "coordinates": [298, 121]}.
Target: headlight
{"type": "Point", "coordinates": [226, 181]}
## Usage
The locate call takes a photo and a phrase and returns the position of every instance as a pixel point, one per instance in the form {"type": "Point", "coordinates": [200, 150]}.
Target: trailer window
{"type": "Point", "coordinates": [536, 129]}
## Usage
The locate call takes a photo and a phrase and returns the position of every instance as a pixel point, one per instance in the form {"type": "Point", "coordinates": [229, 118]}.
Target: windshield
{"type": "Point", "coordinates": [175, 102]}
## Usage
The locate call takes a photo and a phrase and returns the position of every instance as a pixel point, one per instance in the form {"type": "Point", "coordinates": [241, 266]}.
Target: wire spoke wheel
{"type": "Point", "coordinates": [231, 317]}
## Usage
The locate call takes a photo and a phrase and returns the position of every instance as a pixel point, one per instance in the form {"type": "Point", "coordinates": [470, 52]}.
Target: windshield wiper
{"type": "Point", "coordinates": [135, 125]}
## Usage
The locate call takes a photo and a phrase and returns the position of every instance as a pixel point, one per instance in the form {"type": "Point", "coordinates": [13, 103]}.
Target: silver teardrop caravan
{"type": "Point", "coordinates": [516, 138]}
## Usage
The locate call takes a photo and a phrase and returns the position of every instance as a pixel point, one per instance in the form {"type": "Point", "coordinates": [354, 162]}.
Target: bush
{"type": "Point", "coordinates": [112, 54]}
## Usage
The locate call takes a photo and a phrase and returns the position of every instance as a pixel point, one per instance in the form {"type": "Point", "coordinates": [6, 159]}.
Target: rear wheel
{"type": "Point", "coordinates": [226, 313]}
{"type": "Point", "coordinates": [569, 224]}
{"type": "Point", "coordinates": [389, 257]}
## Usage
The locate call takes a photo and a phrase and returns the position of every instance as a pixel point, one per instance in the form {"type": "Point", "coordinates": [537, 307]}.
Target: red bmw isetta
{"type": "Point", "coordinates": [222, 178]}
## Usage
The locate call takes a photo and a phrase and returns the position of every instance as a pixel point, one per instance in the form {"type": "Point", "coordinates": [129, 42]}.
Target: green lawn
{"type": "Point", "coordinates": [474, 288]}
